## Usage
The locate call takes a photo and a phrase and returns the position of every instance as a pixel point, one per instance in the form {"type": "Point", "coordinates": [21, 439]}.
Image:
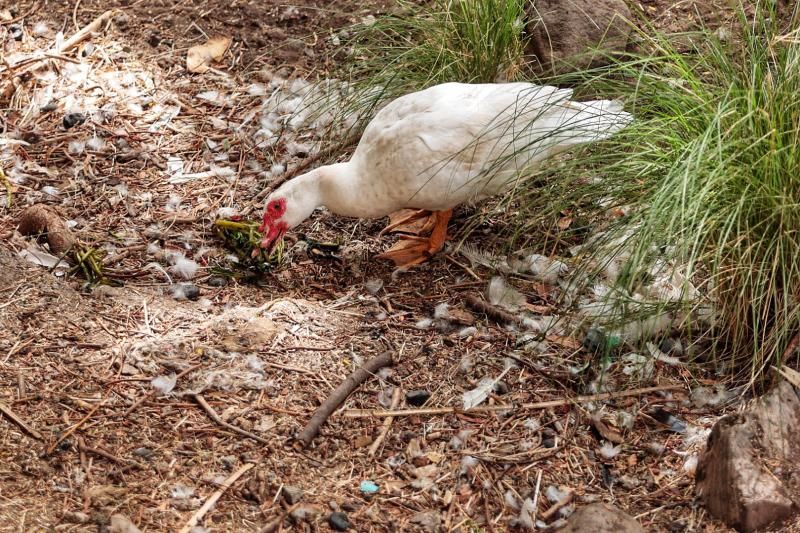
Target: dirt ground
{"type": "Point", "coordinates": [93, 438]}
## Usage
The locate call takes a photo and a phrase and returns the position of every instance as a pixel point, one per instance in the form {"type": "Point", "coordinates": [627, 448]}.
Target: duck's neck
{"type": "Point", "coordinates": [338, 189]}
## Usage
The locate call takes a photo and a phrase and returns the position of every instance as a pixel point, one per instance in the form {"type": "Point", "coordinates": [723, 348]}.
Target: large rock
{"type": "Point", "coordinates": [749, 476]}
{"type": "Point", "coordinates": [561, 32]}
{"type": "Point", "coordinates": [601, 518]}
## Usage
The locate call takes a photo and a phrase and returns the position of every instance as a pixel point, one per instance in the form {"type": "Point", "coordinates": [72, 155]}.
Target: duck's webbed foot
{"type": "Point", "coordinates": [414, 250]}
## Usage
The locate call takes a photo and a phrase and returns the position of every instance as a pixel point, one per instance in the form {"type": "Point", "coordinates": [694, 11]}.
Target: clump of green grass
{"type": "Point", "coordinates": [711, 170]}
{"type": "Point", "coordinates": [244, 240]}
{"type": "Point", "coordinates": [469, 41]}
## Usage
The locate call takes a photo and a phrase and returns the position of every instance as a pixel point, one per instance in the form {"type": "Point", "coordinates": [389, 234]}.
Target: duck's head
{"type": "Point", "coordinates": [273, 226]}
{"type": "Point", "coordinates": [288, 206]}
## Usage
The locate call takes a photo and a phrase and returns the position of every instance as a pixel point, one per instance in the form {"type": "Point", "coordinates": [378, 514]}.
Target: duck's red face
{"type": "Point", "coordinates": [273, 226]}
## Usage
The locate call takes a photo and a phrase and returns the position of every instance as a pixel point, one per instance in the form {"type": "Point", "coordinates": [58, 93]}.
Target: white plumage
{"type": "Point", "coordinates": [440, 147]}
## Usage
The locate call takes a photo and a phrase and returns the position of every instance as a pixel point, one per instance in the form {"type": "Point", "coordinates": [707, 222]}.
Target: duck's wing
{"type": "Point", "coordinates": [453, 142]}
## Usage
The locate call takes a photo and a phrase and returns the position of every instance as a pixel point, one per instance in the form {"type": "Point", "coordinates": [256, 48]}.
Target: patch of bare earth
{"type": "Point", "coordinates": [85, 434]}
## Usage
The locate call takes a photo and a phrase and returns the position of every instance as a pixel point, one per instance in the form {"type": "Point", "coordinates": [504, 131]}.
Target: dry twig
{"type": "Point", "coordinates": [338, 396]}
{"type": "Point", "coordinates": [387, 423]}
{"type": "Point", "coordinates": [75, 426]}
{"type": "Point", "coordinates": [216, 418]}
{"type": "Point", "coordinates": [11, 415]}
{"type": "Point", "coordinates": [196, 517]}
{"type": "Point", "coordinates": [492, 311]}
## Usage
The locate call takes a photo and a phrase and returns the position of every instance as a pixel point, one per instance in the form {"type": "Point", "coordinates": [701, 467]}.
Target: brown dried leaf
{"type": "Point", "coordinates": [200, 57]}
{"type": "Point", "coordinates": [610, 433]}
{"type": "Point", "coordinates": [461, 316]}
{"type": "Point", "coordinates": [564, 223]}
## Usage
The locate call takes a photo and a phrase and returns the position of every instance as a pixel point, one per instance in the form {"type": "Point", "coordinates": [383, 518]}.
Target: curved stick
{"type": "Point", "coordinates": [338, 396]}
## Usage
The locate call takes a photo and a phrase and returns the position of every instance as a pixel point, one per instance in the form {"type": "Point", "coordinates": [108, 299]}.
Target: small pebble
{"type": "Point", "coordinates": [144, 453]}
{"type": "Point", "coordinates": [501, 387]}
{"type": "Point", "coordinates": [548, 439]}
{"type": "Point", "coordinates": [75, 517]}
{"type": "Point", "coordinates": [339, 522]}
{"type": "Point", "coordinates": [218, 281]}
{"type": "Point", "coordinates": [417, 398]}
{"type": "Point", "coordinates": [292, 494]}
{"type": "Point", "coordinates": [192, 292]}
{"type": "Point", "coordinates": [369, 487]}
{"type": "Point", "coordinates": [73, 119]}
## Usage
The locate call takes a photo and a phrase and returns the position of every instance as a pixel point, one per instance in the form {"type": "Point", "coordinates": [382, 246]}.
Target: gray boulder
{"type": "Point", "coordinates": [561, 32]}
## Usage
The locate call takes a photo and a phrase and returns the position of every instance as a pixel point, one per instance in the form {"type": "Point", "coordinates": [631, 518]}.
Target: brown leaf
{"type": "Point", "coordinates": [460, 316]}
{"type": "Point", "coordinates": [199, 57]}
{"type": "Point", "coordinates": [610, 433]}
{"type": "Point", "coordinates": [564, 223]}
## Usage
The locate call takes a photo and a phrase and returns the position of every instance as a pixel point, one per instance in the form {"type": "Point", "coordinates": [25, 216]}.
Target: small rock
{"type": "Point", "coordinates": [122, 524]}
{"type": "Point", "coordinates": [601, 518]}
{"type": "Point", "coordinates": [339, 521]}
{"type": "Point", "coordinates": [417, 398]}
{"type": "Point", "coordinates": [129, 370]}
{"type": "Point", "coordinates": [73, 119]}
{"type": "Point", "coordinates": [747, 475]}
{"type": "Point", "coordinates": [75, 517]}
{"type": "Point", "coordinates": [144, 453]}
{"type": "Point", "coordinates": [218, 281]}
{"type": "Point", "coordinates": [369, 487]}
{"type": "Point", "coordinates": [292, 494]}
{"type": "Point", "coordinates": [501, 387]}
{"type": "Point", "coordinates": [305, 513]}
{"type": "Point", "coordinates": [429, 521]}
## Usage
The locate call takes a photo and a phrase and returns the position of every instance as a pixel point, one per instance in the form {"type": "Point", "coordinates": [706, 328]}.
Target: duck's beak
{"type": "Point", "coordinates": [272, 232]}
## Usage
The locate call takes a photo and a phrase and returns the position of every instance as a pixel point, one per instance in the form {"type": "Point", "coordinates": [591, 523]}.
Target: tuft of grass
{"type": "Point", "coordinates": [710, 170]}
{"type": "Point", "coordinates": [469, 41]}
{"type": "Point", "coordinates": [244, 240]}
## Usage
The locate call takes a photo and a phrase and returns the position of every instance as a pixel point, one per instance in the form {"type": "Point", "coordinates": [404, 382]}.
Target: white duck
{"type": "Point", "coordinates": [437, 148]}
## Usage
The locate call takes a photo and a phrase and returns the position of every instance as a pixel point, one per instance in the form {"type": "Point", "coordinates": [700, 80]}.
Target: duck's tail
{"type": "Point", "coordinates": [585, 122]}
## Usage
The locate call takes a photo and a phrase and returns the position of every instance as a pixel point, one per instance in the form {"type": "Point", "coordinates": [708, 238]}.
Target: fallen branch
{"type": "Point", "coordinates": [11, 415]}
{"type": "Point", "coordinates": [196, 517]}
{"type": "Point", "coordinates": [216, 418]}
{"type": "Point", "coordinates": [367, 413]}
{"type": "Point", "coordinates": [338, 396]}
{"type": "Point", "coordinates": [492, 311]}
{"type": "Point", "coordinates": [386, 423]}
